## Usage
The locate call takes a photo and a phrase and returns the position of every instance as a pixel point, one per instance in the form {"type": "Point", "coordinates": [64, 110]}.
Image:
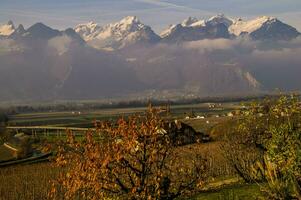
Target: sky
{"type": "Point", "coordinates": [159, 14]}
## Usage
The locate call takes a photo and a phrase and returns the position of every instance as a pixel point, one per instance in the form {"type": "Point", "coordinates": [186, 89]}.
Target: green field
{"type": "Point", "coordinates": [85, 119]}
{"type": "Point", "coordinates": [235, 192]}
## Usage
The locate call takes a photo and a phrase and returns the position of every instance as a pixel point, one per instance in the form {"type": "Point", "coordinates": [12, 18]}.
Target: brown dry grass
{"type": "Point", "coordinates": [26, 181]}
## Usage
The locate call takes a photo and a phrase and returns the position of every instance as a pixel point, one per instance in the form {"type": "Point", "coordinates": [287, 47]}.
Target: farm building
{"type": "Point", "coordinates": [19, 145]}
{"type": "Point", "coordinates": [182, 134]}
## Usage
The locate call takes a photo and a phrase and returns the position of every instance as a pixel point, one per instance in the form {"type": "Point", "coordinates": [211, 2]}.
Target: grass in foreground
{"type": "Point", "coordinates": [237, 192]}
{"type": "Point", "coordinates": [26, 181]}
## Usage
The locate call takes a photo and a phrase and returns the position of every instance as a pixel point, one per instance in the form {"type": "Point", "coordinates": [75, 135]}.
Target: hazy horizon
{"type": "Point", "coordinates": [156, 13]}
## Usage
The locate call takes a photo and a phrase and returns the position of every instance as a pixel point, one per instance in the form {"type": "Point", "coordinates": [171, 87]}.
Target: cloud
{"type": "Point", "coordinates": [273, 64]}
{"type": "Point", "coordinates": [217, 44]}
{"type": "Point", "coordinates": [8, 45]}
{"type": "Point", "coordinates": [61, 44]}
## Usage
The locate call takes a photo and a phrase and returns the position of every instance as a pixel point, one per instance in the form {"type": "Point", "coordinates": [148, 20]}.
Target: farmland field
{"type": "Point", "coordinates": [32, 181]}
{"type": "Point", "coordinates": [85, 119]}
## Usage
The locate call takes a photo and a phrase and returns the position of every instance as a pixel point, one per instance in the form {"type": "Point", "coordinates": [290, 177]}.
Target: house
{"type": "Point", "coordinates": [20, 144]}
{"type": "Point", "coordinates": [183, 134]}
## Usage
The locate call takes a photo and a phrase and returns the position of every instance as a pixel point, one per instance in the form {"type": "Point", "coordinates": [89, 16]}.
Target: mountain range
{"type": "Point", "coordinates": [130, 31]}
{"type": "Point", "coordinates": [217, 56]}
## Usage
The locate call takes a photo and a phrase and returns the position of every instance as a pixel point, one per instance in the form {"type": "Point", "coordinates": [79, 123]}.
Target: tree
{"type": "Point", "coordinates": [244, 142]}
{"type": "Point", "coordinates": [4, 134]}
{"type": "Point", "coordinates": [282, 165]}
{"type": "Point", "coordinates": [133, 159]}
{"type": "Point", "coordinates": [271, 130]}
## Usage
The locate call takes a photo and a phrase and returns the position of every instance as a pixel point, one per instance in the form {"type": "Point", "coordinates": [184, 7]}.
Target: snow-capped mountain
{"type": "Point", "coordinates": [189, 22]}
{"type": "Point", "coordinates": [263, 28]}
{"type": "Point", "coordinates": [88, 31]}
{"type": "Point", "coordinates": [41, 62]}
{"type": "Point", "coordinates": [194, 29]}
{"type": "Point", "coordinates": [126, 32]}
{"type": "Point", "coordinates": [219, 19]}
{"type": "Point", "coordinates": [41, 32]}
{"type": "Point", "coordinates": [130, 31]}
{"type": "Point", "coordinates": [220, 26]}
{"type": "Point", "coordinates": [7, 29]}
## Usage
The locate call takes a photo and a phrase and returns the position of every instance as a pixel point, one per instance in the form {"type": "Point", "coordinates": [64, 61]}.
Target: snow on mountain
{"type": "Point", "coordinates": [193, 22]}
{"type": "Point", "coordinates": [194, 29]}
{"type": "Point", "coordinates": [120, 30]}
{"type": "Point", "coordinates": [219, 19]}
{"type": "Point", "coordinates": [7, 29]}
{"type": "Point", "coordinates": [197, 23]}
{"type": "Point", "coordinates": [264, 28]}
{"type": "Point", "coordinates": [126, 32]}
{"type": "Point", "coordinates": [189, 21]}
{"type": "Point", "coordinates": [88, 31]}
{"type": "Point", "coordinates": [240, 26]}
{"type": "Point", "coordinates": [168, 31]}
{"type": "Point", "coordinates": [220, 26]}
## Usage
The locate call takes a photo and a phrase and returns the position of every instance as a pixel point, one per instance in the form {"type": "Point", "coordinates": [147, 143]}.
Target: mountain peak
{"type": "Point", "coordinates": [266, 18]}
{"type": "Point", "coordinates": [41, 31]}
{"type": "Point", "coordinates": [10, 22]}
{"type": "Point", "coordinates": [20, 29]}
{"type": "Point", "coordinates": [130, 20]}
{"type": "Point", "coordinates": [91, 23]}
{"type": "Point", "coordinates": [220, 19]}
{"type": "Point", "coordinates": [189, 21]}
{"type": "Point", "coordinates": [128, 24]}
{"type": "Point", "coordinates": [240, 26]}
{"type": "Point", "coordinates": [88, 31]}
{"type": "Point", "coordinates": [218, 16]}
{"type": "Point", "coordinates": [38, 26]}
{"type": "Point", "coordinates": [128, 30]}
{"type": "Point", "coordinates": [88, 24]}
{"type": "Point", "coordinates": [124, 27]}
